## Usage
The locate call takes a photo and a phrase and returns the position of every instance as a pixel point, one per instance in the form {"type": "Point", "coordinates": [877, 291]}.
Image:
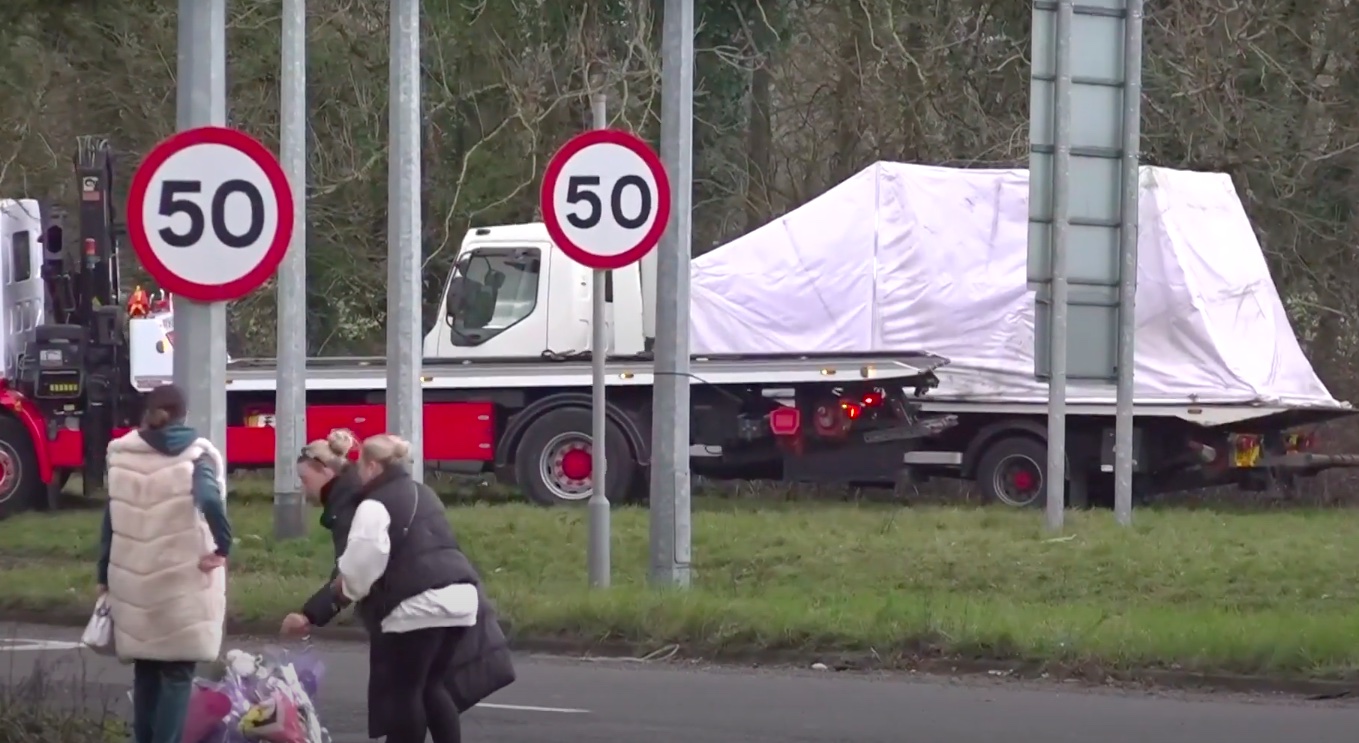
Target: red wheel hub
{"type": "Point", "coordinates": [577, 464]}
{"type": "Point", "coordinates": [1024, 480]}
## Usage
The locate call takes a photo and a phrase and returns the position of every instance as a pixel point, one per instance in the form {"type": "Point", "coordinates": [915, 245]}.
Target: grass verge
{"type": "Point", "coordinates": [1194, 591]}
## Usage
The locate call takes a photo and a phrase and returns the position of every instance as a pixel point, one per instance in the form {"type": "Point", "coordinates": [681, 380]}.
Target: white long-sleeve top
{"type": "Point", "coordinates": [365, 560]}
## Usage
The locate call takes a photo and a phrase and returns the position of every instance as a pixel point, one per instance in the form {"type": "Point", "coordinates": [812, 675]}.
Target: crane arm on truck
{"type": "Point", "coordinates": [72, 370]}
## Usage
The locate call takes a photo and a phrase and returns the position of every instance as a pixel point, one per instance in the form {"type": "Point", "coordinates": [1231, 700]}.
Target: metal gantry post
{"type": "Point", "coordinates": [670, 481]}
{"type": "Point", "coordinates": [598, 556]}
{"type": "Point", "coordinates": [1083, 225]}
{"type": "Point", "coordinates": [1061, 227]}
{"type": "Point", "coordinates": [1127, 295]}
{"type": "Point", "coordinates": [290, 413]}
{"type": "Point", "coordinates": [200, 329]}
{"type": "Point", "coordinates": [405, 353]}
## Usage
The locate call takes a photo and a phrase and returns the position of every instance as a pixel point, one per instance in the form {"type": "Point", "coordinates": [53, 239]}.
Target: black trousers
{"type": "Point", "coordinates": [415, 676]}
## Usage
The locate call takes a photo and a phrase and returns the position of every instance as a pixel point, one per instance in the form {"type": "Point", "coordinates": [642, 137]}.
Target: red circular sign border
{"type": "Point", "coordinates": [553, 172]}
{"type": "Point", "coordinates": [141, 241]}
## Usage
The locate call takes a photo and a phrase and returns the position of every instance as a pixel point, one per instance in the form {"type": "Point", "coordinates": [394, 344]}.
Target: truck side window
{"type": "Point", "coordinates": [20, 256]}
{"type": "Point", "coordinates": [496, 288]}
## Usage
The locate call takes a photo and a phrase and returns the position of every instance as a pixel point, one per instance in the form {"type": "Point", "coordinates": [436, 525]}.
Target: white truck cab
{"type": "Point", "coordinates": [513, 294]}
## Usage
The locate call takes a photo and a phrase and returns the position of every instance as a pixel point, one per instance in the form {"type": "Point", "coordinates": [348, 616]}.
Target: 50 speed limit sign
{"type": "Point", "coordinates": [605, 199]}
{"type": "Point", "coordinates": [210, 214]}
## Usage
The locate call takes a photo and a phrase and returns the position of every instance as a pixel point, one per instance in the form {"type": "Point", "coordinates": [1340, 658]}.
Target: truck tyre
{"type": "Point", "coordinates": [552, 462]}
{"type": "Point", "coordinates": [20, 488]}
{"type": "Point", "coordinates": [1013, 472]}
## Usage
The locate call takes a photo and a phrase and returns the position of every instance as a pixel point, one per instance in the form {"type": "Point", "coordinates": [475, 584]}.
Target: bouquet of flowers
{"type": "Point", "coordinates": [267, 697]}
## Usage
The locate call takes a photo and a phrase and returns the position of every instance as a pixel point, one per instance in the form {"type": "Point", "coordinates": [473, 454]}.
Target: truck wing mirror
{"type": "Point", "coordinates": [457, 293]}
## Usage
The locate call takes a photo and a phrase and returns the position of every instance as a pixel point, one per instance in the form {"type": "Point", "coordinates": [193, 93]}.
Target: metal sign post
{"type": "Point", "coordinates": [1084, 123]}
{"type": "Point", "coordinates": [290, 409]}
{"type": "Point", "coordinates": [200, 100]}
{"type": "Point", "coordinates": [1124, 453]}
{"type": "Point", "coordinates": [405, 353]}
{"type": "Point", "coordinates": [670, 482]}
{"type": "Point", "coordinates": [605, 201]}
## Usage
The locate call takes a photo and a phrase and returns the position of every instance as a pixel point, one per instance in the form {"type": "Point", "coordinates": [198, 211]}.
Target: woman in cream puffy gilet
{"type": "Point", "coordinates": [162, 564]}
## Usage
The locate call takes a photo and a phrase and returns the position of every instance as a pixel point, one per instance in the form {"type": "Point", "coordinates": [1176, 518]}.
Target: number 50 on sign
{"type": "Point", "coordinates": [210, 214]}
{"type": "Point", "coordinates": [605, 199]}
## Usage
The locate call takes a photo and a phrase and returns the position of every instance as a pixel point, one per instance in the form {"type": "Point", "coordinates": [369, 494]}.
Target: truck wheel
{"type": "Point", "coordinates": [552, 463]}
{"type": "Point", "coordinates": [20, 487]}
{"type": "Point", "coordinates": [1013, 472]}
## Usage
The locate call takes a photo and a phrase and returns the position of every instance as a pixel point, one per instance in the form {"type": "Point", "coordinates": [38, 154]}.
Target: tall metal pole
{"type": "Point", "coordinates": [290, 410]}
{"type": "Point", "coordinates": [598, 556]}
{"type": "Point", "coordinates": [1127, 290]}
{"type": "Point", "coordinates": [405, 354]}
{"type": "Point", "coordinates": [200, 329]}
{"type": "Point", "coordinates": [1061, 225]}
{"type": "Point", "coordinates": [670, 525]}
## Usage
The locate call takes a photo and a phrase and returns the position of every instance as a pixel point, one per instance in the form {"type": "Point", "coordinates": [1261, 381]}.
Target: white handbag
{"type": "Point", "coordinates": [98, 634]}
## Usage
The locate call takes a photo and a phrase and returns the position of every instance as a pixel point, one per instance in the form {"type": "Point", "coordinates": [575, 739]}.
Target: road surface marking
{"type": "Point", "coordinates": [531, 708]}
{"type": "Point", "coordinates": [17, 645]}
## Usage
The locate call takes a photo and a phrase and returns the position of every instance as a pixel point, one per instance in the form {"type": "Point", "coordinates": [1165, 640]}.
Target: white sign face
{"type": "Point", "coordinates": [605, 199]}
{"type": "Point", "coordinates": [210, 214]}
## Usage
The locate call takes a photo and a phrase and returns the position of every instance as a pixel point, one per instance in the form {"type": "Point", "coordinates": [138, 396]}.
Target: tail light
{"type": "Point", "coordinates": [1299, 442]}
{"type": "Point", "coordinates": [1246, 450]}
{"type": "Point", "coordinates": [785, 421]}
{"type": "Point", "coordinates": [851, 409]}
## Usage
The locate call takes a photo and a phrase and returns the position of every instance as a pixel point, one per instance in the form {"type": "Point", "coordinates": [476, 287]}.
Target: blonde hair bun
{"type": "Point", "coordinates": [340, 442]}
{"type": "Point", "coordinates": [386, 449]}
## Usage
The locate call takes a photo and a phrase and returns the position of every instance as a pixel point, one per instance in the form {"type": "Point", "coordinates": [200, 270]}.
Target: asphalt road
{"type": "Point", "coordinates": [620, 701]}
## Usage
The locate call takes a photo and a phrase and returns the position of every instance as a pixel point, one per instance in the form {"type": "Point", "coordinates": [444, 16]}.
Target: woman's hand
{"type": "Point", "coordinates": [295, 625]}
{"type": "Point", "coordinates": [209, 563]}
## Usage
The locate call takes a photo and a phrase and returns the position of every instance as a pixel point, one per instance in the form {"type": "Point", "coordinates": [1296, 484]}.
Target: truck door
{"type": "Point", "coordinates": [495, 305]}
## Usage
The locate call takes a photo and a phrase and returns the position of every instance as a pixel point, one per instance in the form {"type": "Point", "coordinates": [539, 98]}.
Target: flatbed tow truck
{"type": "Point", "coordinates": [506, 377]}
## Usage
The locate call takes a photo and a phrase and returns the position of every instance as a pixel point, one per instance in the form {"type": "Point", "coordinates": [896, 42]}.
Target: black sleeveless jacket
{"type": "Point", "coordinates": [425, 554]}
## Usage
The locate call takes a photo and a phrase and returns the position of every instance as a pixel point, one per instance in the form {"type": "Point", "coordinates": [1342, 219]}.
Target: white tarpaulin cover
{"type": "Point", "coordinates": [928, 258]}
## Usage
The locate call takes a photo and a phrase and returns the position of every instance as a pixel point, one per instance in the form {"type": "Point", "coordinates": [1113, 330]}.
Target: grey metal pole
{"type": "Point", "coordinates": [200, 329]}
{"type": "Point", "coordinates": [405, 354]}
{"type": "Point", "coordinates": [290, 410]}
{"type": "Point", "coordinates": [598, 549]}
{"type": "Point", "coordinates": [1061, 224]}
{"type": "Point", "coordinates": [670, 483]}
{"type": "Point", "coordinates": [1127, 290]}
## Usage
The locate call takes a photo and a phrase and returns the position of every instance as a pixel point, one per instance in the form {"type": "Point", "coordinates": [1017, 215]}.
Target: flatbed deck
{"type": "Point", "coordinates": [370, 373]}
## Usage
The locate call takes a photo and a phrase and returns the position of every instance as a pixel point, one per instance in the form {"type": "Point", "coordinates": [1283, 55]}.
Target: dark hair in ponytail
{"type": "Point", "coordinates": [163, 406]}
